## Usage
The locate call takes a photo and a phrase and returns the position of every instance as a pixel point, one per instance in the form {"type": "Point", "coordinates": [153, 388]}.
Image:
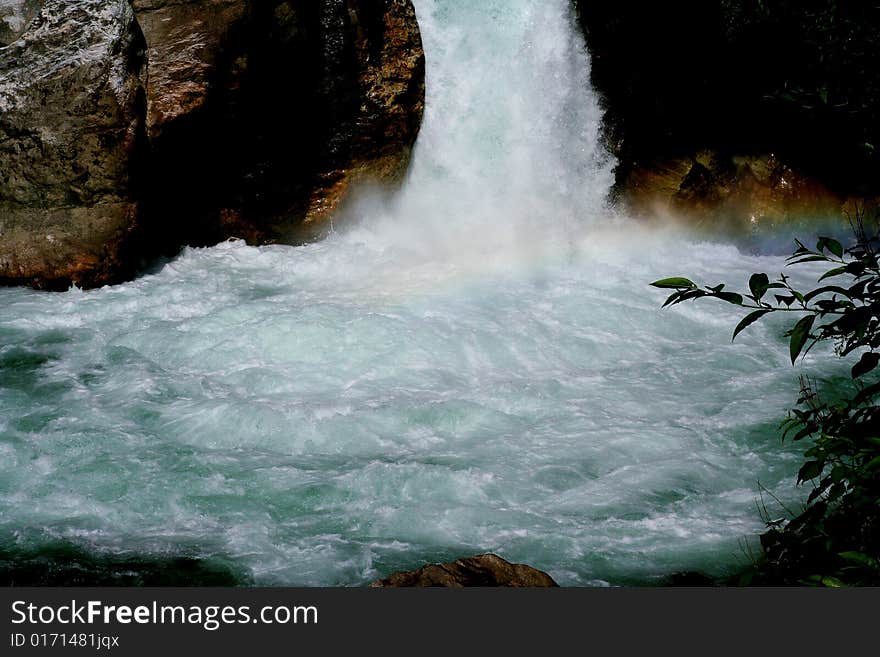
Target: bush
{"type": "Point", "coordinates": [836, 540]}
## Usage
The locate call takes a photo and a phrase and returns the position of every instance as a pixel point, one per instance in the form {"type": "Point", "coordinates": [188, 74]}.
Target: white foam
{"type": "Point", "coordinates": [477, 365]}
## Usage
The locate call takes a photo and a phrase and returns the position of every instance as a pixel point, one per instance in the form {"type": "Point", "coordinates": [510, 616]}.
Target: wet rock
{"type": "Point", "coordinates": [128, 129]}
{"type": "Point", "coordinates": [185, 44]}
{"type": "Point", "coordinates": [738, 193]}
{"type": "Point", "coordinates": [262, 115]}
{"type": "Point", "coordinates": [798, 79]}
{"type": "Point", "coordinates": [374, 142]}
{"type": "Point", "coordinates": [15, 17]}
{"type": "Point", "coordinates": [480, 571]}
{"type": "Point", "coordinates": [699, 186]}
{"type": "Point", "coordinates": [689, 579]}
{"type": "Point", "coordinates": [71, 118]}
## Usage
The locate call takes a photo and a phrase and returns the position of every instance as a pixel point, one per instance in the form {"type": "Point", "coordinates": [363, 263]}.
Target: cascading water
{"type": "Point", "coordinates": [477, 365]}
{"type": "Point", "coordinates": [508, 159]}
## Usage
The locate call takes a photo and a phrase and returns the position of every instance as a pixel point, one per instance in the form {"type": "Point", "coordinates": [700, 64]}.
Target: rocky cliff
{"type": "Point", "coordinates": [71, 117]}
{"type": "Point", "coordinates": [760, 110]}
{"type": "Point", "coordinates": [15, 16]}
{"type": "Point", "coordinates": [130, 128]}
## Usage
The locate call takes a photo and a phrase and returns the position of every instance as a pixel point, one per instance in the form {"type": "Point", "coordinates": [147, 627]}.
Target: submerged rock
{"type": "Point", "coordinates": [690, 579]}
{"type": "Point", "coordinates": [128, 129]}
{"type": "Point", "coordinates": [60, 563]}
{"type": "Point", "coordinates": [483, 570]}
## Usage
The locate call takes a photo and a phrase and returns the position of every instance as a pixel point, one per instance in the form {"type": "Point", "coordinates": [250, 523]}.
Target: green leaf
{"type": "Point", "coordinates": [759, 284]}
{"type": "Point", "coordinates": [799, 336]}
{"type": "Point", "coordinates": [748, 320]}
{"type": "Point", "coordinates": [828, 289]}
{"type": "Point", "coordinates": [805, 432]}
{"type": "Point", "coordinates": [857, 291]}
{"type": "Point", "coordinates": [856, 268]}
{"type": "Point", "coordinates": [868, 362]}
{"type": "Point", "coordinates": [866, 394]}
{"type": "Point", "coordinates": [836, 492]}
{"type": "Point", "coordinates": [730, 297]}
{"type": "Point", "coordinates": [838, 474]}
{"type": "Point", "coordinates": [810, 470]}
{"type": "Point", "coordinates": [832, 245]}
{"type": "Point", "coordinates": [816, 494]}
{"type": "Point", "coordinates": [861, 558]}
{"type": "Point", "coordinates": [832, 273]}
{"type": "Point", "coordinates": [832, 583]}
{"type": "Point", "coordinates": [674, 283]}
{"type": "Point", "coordinates": [684, 295]}
{"type": "Point", "coordinates": [813, 258]}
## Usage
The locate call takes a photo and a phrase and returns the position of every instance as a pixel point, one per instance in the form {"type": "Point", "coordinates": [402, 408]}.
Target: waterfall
{"type": "Point", "coordinates": [477, 364]}
{"type": "Point", "coordinates": [509, 154]}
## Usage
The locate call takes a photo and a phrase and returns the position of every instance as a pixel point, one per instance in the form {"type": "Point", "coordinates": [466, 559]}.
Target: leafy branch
{"type": "Point", "coordinates": [853, 308]}
{"type": "Point", "coordinates": [839, 532]}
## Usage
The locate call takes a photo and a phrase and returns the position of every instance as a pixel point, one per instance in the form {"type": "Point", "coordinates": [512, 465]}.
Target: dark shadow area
{"type": "Point", "coordinates": [64, 564]}
{"type": "Point", "coordinates": [282, 110]}
{"type": "Point", "coordinates": [799, 79]}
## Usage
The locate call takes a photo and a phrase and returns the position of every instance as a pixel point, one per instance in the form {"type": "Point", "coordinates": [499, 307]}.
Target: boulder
{"type": "Point", "coordinates": [131, 128]}
{"type": "Point", "coordinates": [71, 122]}
{"type": "Point", "coordinates": [483, 570]}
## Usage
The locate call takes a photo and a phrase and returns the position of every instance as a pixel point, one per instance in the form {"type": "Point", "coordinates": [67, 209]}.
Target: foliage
{"type": "Point", "coordinates": [836, 540]}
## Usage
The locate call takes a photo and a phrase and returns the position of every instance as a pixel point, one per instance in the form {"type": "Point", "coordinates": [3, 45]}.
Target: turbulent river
{"type": "Point", "coordinates": [477, 364]}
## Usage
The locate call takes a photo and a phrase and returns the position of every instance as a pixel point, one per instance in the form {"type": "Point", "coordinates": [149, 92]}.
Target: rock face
{"type": "Point", "coordinates": [483, 570]}
{"type": "Point", "coordinates": [728, 193]}
{"type": "Point", "coordinates": [130, 128]}
{"type": "Point", "coordinates": [71, 118]}
{"type": "Point", "coordinates": [741, 80]}
{"type": "Point", "coordinates": [373, 133]}
{"type": "Point", "coordinates": [185, 44]}
{"type": "Point", "coordinates": [263, 114]}
{"type": "Point", "coordinates": [15, 16]}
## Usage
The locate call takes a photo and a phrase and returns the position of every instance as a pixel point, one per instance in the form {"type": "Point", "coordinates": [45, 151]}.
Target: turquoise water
{"type": "Point", "coordinates": [476, 365]}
